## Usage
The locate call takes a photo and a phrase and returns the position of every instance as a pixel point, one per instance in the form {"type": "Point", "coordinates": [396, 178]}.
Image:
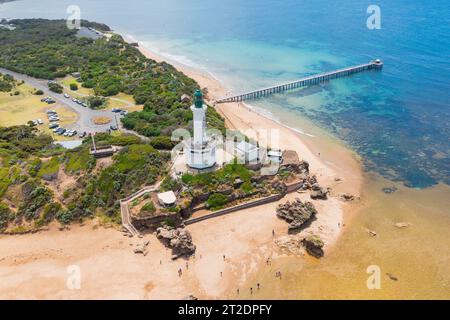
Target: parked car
{"type": "Point", "coordinates": [61, 132]}
{"type": "Point", "coordinates": [113, 128]}
{"type": "Point", "coordinates": [83, 134]}
{"type": "Point", "coordinates": [40, 121]}
{"type": "Point", "coordinates": [123, 112]}
{"type": "Point", "coordinates": [66, 96]}
{"type": "Point", "coordinates": [116, 110]}
{"type": "Point", "coordinates": [53, 125]}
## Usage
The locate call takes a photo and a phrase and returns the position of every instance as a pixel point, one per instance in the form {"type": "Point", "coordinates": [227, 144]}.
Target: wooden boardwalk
{"type": "Point", "coordinates": [311, 80]}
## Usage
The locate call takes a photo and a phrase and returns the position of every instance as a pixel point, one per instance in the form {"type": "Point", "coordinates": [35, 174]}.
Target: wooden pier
{"type": "Point", "coordinates": [312, 80]}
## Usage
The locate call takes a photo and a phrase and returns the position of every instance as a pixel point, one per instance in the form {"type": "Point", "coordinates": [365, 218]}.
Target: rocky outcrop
{"type": "Point", "coordinates": [317, 192]}
{"type": "Point", "coordinates": [313, 245]}
{"type": "Point", "coordinates": [389, 190]}
{"type": "Point", "coordinates": [296, 213]}
{"type": "Point", "coordinates": [142, 248]}
{"type": "Point", "coordinates": [347, 197]}
{"type": "Point", "coordinates": [179, 240]}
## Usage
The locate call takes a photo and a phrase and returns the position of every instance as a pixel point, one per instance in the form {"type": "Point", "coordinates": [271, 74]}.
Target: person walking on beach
{"type": "Point", "coordinates": [251, 290]}
{"type": "Point", "coordinates": [187, 265]}
{"type": "Point", "coordinates": [223, 257]}
{"type": "Point", "coordinates": [237, 290]}
{"type": "Point", "coordinates": [180, 272]}
{"type": "Point", "coordinates": [273, 233]}
{"type": "Point", "coordinates": [258, 285]}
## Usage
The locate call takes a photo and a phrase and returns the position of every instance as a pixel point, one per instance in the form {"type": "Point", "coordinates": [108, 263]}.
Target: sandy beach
{"type": "Point", "coordinates": [231, 249]}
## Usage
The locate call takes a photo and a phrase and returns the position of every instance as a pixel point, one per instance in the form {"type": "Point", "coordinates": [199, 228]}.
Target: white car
{"type": "Point", "coordinates": [40, 121]}
{"type": "Point", "coordinates": [66, 96]}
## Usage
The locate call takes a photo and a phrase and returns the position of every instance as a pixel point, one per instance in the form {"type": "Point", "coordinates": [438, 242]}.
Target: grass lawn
{"type": "Point", "coordinates": [121, 100]}
{"type": "Point", "coordinates": [18, 110]}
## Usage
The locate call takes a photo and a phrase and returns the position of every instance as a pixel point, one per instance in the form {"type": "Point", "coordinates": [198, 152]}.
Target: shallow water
{"type": "Point", "coordinates": [416, 257]}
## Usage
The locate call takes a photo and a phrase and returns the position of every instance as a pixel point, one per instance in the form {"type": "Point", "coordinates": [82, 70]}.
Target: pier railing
{"type": "Point", "coordinates": [311, 80]}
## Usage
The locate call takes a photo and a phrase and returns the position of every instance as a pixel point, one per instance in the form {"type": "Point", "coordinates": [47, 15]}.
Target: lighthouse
{"type": "Point", "coordinates": [201, 149]}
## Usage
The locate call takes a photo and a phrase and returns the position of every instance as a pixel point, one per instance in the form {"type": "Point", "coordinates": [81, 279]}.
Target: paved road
{"type": "Point", "coordinates": [85, 115]}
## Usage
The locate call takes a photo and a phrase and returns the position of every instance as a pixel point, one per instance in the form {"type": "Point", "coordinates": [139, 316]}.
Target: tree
{"type": "Point", "coordinates": [55, 87]}
{"type": "Point", "coordinates": [73, 86]}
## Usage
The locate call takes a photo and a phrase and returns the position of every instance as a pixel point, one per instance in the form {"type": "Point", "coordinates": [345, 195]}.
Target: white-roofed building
{"type": "Point", "coordinates": [167, 199]}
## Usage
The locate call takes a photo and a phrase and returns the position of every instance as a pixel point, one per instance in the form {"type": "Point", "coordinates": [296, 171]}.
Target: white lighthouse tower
{"type": "Point", "coordinates": [201, 149]}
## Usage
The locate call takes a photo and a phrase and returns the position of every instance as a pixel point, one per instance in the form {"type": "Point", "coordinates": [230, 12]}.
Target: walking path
{"type": "Point", "coordinates": [125, 209]}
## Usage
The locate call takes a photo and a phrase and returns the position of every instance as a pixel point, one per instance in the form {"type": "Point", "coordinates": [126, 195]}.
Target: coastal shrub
{"type": "Point", "coordinates": [64, 216]}
{"type": "Point", "coordinates": [216, 201]}
{"type": "Point", "coordinates": [169, 184]}
{"type": "Point", "coordinates": [5, 86]}
{"type": "Point", "coordinates": [162, 143]}
{"type": "Point", "coordinates": [78, 160]}
{"type": "Point", "coordinates": [148, 208]}
{"type": "Point", "coordinates": [39, 92]}
{"type": "Point", "coordinates": [6, 216]}
{"type": "Point", "coordinates": [55, 87]}
{"type": "Point", "coordinates": [73, 86]}
{"type": "Point", "coordinates": [96, 102]}
{"type": "Point", "coordinates": [48, 214]}
{"type": "Point", "coordinates": [4, 180]}
{"type": "Point", "coordinates": [36, 196]}
{"type": "Point", "coordinates": [247, 187]}
{"type": "Point", "coordinates": [49, 169]}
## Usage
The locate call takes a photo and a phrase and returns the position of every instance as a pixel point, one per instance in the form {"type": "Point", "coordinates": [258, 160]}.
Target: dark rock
{"type": "Point", "coordinates": [313, 245]}
{"type": "Point", "coordinates": [297, 213]}
{"type": "Point", "coordinates": [50, 176]}
{"type": "Point", "coordinates": [389, 190]}
{"type": "Point", "coordinates": [179, 240]}
{"type": "Point", "coordinates": [347, 197]}
{"type": "Point", "coordinates": [319, 194]}
{"type": "Point", "coordinates": [392, 277]}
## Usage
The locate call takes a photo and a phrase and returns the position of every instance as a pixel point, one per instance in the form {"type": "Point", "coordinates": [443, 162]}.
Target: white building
{"type": "Point", "coordinates": [201, 149]}
{"type": "Point", "coordinates": [167, 199]}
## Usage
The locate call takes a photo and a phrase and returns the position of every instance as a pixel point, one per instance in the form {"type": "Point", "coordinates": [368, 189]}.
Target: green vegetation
{"type": "Point", "coordinates": [78, 160]}
{"type": "Point", "coordinates": [55, 87]}
{"type": "Point", "coordinates": [49, 169]}
{"type": "Point", "coordinates": [7, 83]}
{"type": "Point", "coordinates": [96, 102]}
{"type": "Point", "coordinates": [5, 216]}
{"type": "Point", "coordinates": [148, 208]}
{"type": "Point", "coordinates": [109, 66]}
{"type": "Point", "coordinates": [169, 184]}
{"type": "Point", "coordinates": [163, 143]}
{"type": "Point", "coordinates": [216, 201]}
{"type": "Point", "coordinates": [27, 159]}
{"type": "Point", "coordinates": [211, 180]}
{"type": "Point", "coordinates": [35, 196]}
{"type": "Point", "coordinates": [47, 49]}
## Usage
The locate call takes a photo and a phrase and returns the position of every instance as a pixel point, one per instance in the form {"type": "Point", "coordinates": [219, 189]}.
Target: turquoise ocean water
{"type": "Point", "coordinates": [397, 119]}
